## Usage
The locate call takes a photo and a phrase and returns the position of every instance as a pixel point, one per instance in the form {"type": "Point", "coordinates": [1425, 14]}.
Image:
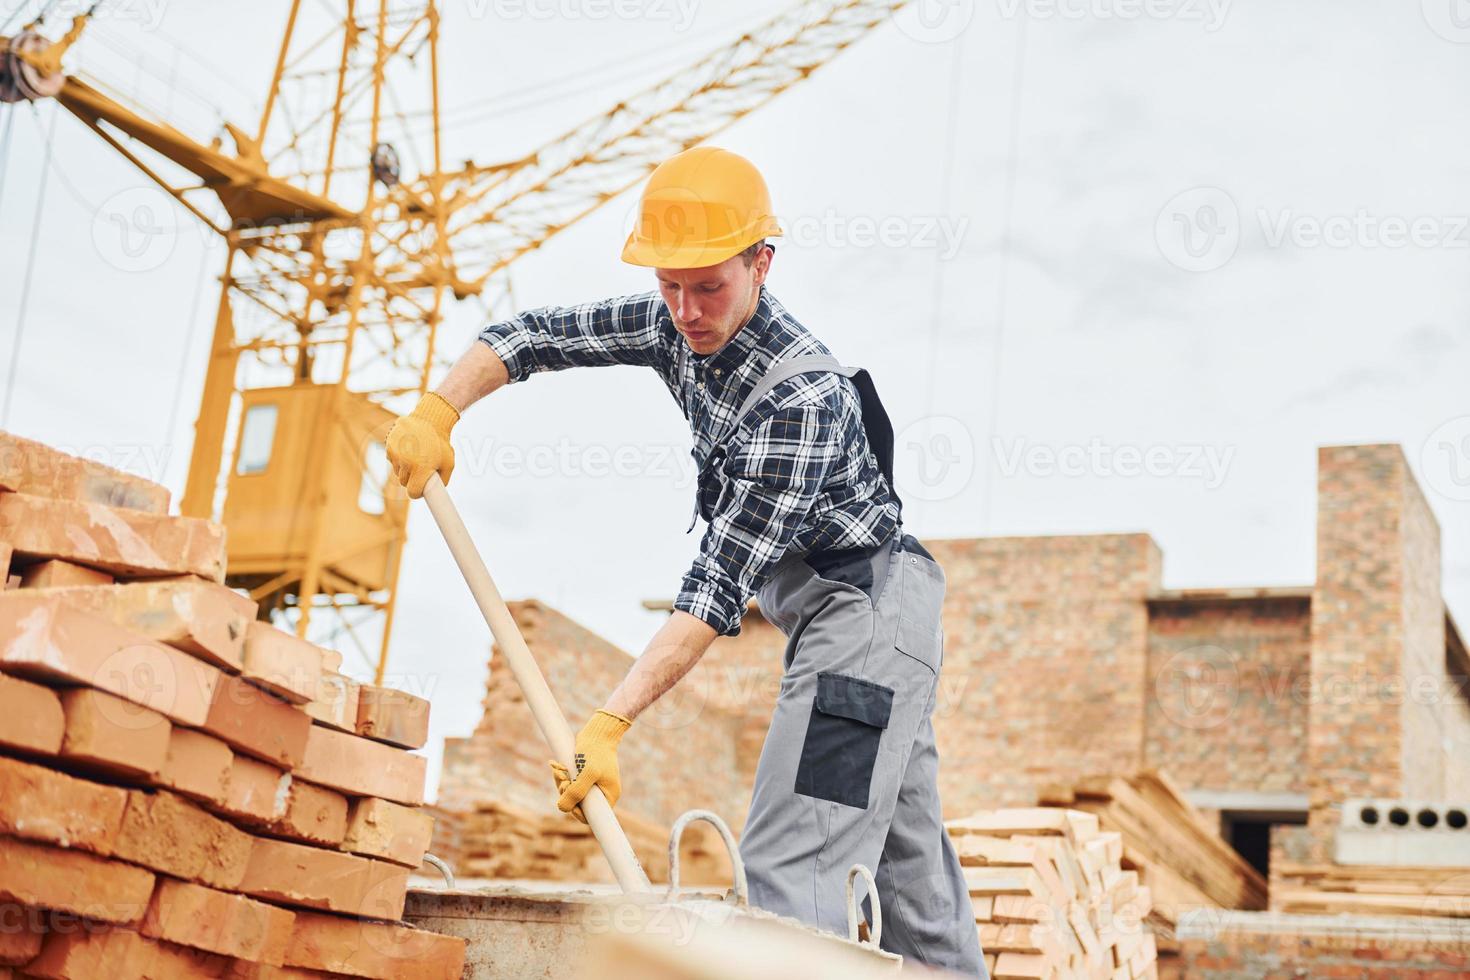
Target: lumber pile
{"type": "Point", "coordinates": [1177, 853]}
{"type": "Point", "coordinates": [1051, 897]}
{"type": "Point", "coordinates": [1370, 890]}
{"type": "Point", "coordinates": [186, 790]}
{"type": "Point", "coordinates": [499, 840]}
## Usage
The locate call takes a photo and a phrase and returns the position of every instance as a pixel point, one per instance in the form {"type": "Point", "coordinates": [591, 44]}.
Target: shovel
{"type": "Point", "coordinates": [549, 719]}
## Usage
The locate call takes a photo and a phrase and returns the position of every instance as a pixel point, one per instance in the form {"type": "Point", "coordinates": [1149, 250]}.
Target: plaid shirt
{"type": "Point", "coordinates": [797, 473]}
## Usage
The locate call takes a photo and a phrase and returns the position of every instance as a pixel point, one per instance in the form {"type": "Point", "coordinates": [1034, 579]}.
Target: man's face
{"type": "Point", "coordinates": [710, 305]}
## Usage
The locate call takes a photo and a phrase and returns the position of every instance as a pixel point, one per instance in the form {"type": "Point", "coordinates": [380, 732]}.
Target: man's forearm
{"type": "Point", "coordinates": [477, 373]}
{"type": "Point", "coordinates": [674, 649]}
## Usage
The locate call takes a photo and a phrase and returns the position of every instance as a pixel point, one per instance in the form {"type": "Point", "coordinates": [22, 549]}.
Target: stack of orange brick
{"type": "Point", "coordinates": [186, 790]}
{"type": "Point", "coordinates": [1051, 899]}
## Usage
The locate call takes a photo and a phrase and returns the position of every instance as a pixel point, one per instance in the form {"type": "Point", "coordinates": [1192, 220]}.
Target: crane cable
{"type": "Point", "coordinates": [5, 149]}
{"type": "Point", "coordinates": [25, 289]}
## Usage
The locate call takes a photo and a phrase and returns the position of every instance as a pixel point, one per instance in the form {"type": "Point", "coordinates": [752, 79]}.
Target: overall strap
{"type": "Point", "coordinates": [784, 371]}
{"type": "Point", "coordinates": [875, 417]}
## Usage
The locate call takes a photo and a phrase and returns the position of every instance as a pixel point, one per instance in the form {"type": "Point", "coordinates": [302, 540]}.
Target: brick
{"type": "Point", "coordinates": [296, 874]}
{"type": "Point", "coordinates": [378, 950]}
{"type": "Point", "coordinates": [336, 702]}
{"type": "Point", "coordinates": [12, 582]}
{"type": "Point", "coordinates": [97, 953]}
{"type": "Point", "coordinates": [42, 638]}
{"type": "Point", "coordinates": [198, 766]}
{"type": "Point", "coordinates": [40, 804]}
{"type": "Point", "coordinates": [72, 881]}
{"type": "Point", "coordinates": [256, 792]}
{"type": "Point", "coordinates": [127, 543]}
{"type": "Point", "coordinates": [257, 723]}
{"type": "Point", "coordinates": [218, 922]}
{"type": "Point", "coordinates": [205, 619]}
{"type": "Point", "coordinates": [166, 833]}
{"type": "Point", "coordinates": [282, 663]}
{"type": "Point", "coordinates": [393, 716]}
{"type": "Point", "coordinates": [27, 466]}
{"type": "Point", "coordinates": [56, 573]}
{"type": "Point", "coordinates": [362, 767]}
{"type": "Point", "coordinates": [377, 828]}
{"type": "Point", "coordinates": [20, 939]}
{"type": "Point", "coordinates": [313, 815]}
{"type": "Point", "coordinates": [109, 735]}
{"type": "Point", "coordinates": [31, 719]}
{"type": "Point", "coordinates": [7, 554]}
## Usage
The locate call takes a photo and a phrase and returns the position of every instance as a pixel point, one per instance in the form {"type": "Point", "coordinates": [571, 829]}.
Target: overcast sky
{"type": "Point", "coordinates": [1116, 265]}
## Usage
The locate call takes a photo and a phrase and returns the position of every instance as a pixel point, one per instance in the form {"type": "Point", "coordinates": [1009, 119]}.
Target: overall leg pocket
{"type": "Point", "coordinates": [841, 746]}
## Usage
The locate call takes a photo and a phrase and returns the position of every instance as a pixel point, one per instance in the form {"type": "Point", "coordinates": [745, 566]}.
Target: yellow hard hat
{"type": "Point", "coordinates": [699, 208]}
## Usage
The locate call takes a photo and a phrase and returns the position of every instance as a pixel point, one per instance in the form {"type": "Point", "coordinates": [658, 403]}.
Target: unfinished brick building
{"type": "Point", "coordinates": [1064, 657]}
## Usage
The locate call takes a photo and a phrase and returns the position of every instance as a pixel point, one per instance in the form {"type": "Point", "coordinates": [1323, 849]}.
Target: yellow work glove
{"type": "Point", "coordinates": [418, 444]}
{"type": "Point", "coordinates": [597, 763]}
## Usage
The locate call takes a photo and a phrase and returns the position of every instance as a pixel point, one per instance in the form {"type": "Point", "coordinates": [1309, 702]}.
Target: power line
{"type": "Point", "coordinates": [1002, 288]}
{"type": "Point", "coordinates": [25, 289]}
{"type": "Point", "coordinates": [946, 182]}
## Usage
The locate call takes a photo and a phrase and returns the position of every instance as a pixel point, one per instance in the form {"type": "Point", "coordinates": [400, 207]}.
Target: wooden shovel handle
{"type": "Point", "coordinates": [552, 722]}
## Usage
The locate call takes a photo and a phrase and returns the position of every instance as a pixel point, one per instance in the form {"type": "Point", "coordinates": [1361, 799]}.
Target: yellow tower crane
{"type": "Point", "coordinates": [338, 263]}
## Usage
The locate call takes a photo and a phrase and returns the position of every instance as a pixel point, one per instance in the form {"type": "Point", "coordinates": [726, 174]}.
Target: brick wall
{"type": "Point", "coordinates": [1045, 659]}
{"type": "Point", "coordinates": [1257, 945]}
{"type": "Point", "coordinates": [679, 755]}
{"type": "Point", "coordinates": [1227, 705]}
{"type": "Point", "coordinates": [1377, 636]}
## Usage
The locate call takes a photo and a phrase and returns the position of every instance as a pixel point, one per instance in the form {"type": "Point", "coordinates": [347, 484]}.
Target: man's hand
{"type": "Point", "coordinates": [418, 444]}
{"type": "Point", "coordinates": [597, 763]}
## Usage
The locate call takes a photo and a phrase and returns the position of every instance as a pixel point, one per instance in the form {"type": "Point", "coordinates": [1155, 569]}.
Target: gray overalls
{"type": "Point", "coordinates": [849, 769]}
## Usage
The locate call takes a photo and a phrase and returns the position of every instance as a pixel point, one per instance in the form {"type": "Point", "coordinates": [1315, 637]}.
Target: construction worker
{"type": "Point", "coordinates": [795, 457]}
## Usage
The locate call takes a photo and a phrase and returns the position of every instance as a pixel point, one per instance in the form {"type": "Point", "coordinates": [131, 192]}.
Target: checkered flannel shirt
{"type": "Point", "coordinates": [797, 475]}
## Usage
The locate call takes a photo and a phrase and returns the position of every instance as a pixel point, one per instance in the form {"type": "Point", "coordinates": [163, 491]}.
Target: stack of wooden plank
{"type": "Point", "coordinates": [186, 790]}
{"type": "Point", "coordinates": [499, 840]}
{"type": "Point", "coordinates": [1370, 890]}
{"type": "Point", "coordinates": [1051, 897]}
{"type": "Point", "coordinates": [1177, 853]}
